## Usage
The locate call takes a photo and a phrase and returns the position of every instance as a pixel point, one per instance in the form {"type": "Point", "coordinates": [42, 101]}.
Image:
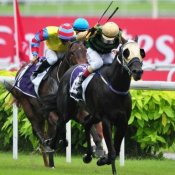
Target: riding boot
{"type": "Point", "coordinates": [44, 65]}
{"type": "Point", "coordinates": [76, 89]}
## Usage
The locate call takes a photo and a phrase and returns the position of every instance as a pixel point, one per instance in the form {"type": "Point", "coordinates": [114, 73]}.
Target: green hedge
{"type": "Point", "coordinates": [153, 118]}
{"type": "Point", "coordinates": [151, 126]}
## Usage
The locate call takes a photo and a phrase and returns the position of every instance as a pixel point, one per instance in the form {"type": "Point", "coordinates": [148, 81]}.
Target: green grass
{"type": "Point", "coordinates": [89, 9]}
{"type": "Point", "coordinates": [32, 165]}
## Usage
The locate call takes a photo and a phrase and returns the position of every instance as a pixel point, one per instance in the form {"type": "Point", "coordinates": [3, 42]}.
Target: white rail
{"type": "Point", "coordinates": [153, 85]}
{"type": "Point", "coordinates": [144, 85]}
{"type": "Point", "coordinates": [158, 67]}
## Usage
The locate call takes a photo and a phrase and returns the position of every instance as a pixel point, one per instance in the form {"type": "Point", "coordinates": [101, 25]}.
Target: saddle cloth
{"type": "Point", "coordinates": [74, 75]}
{"type": "Point", "coordinates": [23, 80]}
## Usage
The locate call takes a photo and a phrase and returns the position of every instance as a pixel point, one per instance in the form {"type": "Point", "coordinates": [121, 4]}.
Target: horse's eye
{"type": "Point", "coordinates": [142, 53]}
{"type": "Point", "coordinates": [126, 53]}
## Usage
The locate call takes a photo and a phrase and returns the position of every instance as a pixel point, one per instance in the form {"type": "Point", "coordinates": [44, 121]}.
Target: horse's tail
{"type": "Point", "coordinates": [9, 87]}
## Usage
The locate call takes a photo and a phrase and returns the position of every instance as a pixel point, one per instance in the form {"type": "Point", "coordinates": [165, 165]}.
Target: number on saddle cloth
{"type": "Point", "coordinates": [75, 80]}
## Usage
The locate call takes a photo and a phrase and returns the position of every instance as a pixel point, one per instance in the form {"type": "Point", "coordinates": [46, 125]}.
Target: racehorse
{"type": "Point", "coordinates": [106, 98]}
{"type": "Point", "coordinates": [76, 54]}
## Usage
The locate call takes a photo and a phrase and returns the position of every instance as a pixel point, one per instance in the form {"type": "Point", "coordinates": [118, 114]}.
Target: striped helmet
{"type": "Point", "coordinates": [66, 32]}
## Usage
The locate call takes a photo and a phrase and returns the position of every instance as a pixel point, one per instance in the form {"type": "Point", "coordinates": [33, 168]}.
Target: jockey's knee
{"type": "Point", "coordinates": [52, 61]}
{"type": "Point", "coordinates": [51, 56]}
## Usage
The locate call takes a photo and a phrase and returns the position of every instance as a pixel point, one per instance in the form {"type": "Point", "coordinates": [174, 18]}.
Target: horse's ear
{"type": "Point", "coordinates": [123, 40]}
{"type": "Point", "coordinates": [142, 53]}
{"type": "Point", "coordinates": [136, 38]}
{"type": "Point", "coordinates": [126, 53]}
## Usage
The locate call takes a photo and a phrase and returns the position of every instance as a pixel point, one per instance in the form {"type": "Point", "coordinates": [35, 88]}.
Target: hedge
{"type": "Point", "coordinates": [151, 125]}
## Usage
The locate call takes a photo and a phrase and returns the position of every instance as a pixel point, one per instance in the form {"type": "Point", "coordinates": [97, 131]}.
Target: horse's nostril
{"type": "Point", "coordinates": [134, 71]}
{"type": "Point", "coordinates": [137, 71]}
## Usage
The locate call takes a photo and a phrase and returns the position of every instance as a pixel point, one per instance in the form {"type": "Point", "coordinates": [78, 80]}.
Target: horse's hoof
{"type": "Point", "coordinates": [64, 143]}
{"type": "Point", "coordinates": [103, 161]}
{"type": "Point", "coordinates": [87, 159]}
{"type": "Point", "coordinates": [47, 142]}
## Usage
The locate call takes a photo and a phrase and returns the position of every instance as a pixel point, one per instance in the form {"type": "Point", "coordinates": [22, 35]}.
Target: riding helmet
{"type": "Point", "coordinates": [66, 32]}
{"type": "Point", "coordinates": [110, 30]}
{"type": "Point", "coordinates": [80, 24]}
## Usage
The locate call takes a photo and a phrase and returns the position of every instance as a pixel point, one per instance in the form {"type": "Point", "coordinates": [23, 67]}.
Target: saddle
{"type": "Point", "coordinates": [75, 73]}
{"type": "Point", "coordinates": [25, 84]}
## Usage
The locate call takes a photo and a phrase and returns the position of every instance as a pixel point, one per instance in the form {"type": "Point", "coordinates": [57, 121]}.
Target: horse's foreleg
{"type": "Point", "coordinates": [51, 159]}
{"type": "Point", "coordinates": [107, 131]}
{"type": "Point", "coordinates": [88, 156]}
{"type": "Point", "coordinates": [63, 136]}
{"type": "Point", "coordinates": [60, 133]}
{"type": "Point", "coordinates": [121, 128]}
{"type": "Point", "coordinates": [40, 136]}
{"type": "Point", "coordinates": [44, 155]}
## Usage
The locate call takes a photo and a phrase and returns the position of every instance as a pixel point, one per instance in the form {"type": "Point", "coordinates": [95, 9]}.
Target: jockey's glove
{"type": "Point", "coordinates": [92, 30]}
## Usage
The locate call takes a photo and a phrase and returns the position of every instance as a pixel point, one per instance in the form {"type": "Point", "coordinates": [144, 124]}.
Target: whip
{"type": "Point", "coordinates": [112, 14]}
{"type": "Point", "coordinates": [92, 30]}
{"type": "Point", "coordinates": [105, 12]}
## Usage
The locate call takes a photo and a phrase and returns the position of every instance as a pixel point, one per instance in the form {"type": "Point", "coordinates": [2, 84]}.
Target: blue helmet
{"type": "Point", "coordinates": [80, 24]}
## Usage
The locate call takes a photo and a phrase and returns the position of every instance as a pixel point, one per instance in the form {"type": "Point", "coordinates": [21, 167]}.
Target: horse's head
{"type": "Point", "coordinates": [76, 53]}
{"type": "Point", "coordinates": [131, 56]}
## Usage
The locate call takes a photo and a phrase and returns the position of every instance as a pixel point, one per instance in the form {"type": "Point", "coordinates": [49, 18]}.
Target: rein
{"type": "Point", "coordinates": [125, 65]}
{"type": "Point", "coordinates": [110, 86]}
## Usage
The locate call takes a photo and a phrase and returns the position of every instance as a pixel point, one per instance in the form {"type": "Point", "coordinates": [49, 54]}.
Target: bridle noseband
{"type": "Point", "coordinates": [125, 64]}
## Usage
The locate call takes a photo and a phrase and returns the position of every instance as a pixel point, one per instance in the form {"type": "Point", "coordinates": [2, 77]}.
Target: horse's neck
{"type": "Point", "coordinates": [59, 69]}
{"type": "Point", "coordinates": [63, 67]}
{"type": "Point", "coordinates": [118, 77]}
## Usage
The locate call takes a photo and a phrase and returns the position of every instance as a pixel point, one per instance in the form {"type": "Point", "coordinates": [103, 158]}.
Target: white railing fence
{"type": "Point", "coordinates": [147, 85]}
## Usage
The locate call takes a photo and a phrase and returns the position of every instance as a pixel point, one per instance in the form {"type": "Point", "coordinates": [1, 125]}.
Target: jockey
{"type": "Point", "coordinates": [81, 27]}
{"type": "Point", "coordinates": [101, 44]}
{"type": "Point", "coordinates": [57, 40]}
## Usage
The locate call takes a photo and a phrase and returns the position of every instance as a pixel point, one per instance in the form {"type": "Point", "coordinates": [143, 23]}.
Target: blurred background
{"type": "Point", "coordinates": [152, 20]}
{"type": "Point", "coordinates": [128, 8]}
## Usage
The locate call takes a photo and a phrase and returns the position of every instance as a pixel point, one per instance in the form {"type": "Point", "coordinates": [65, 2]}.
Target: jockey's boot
{"type": "Point", "coordinates": [76, 92]}
{"type": "Point", "coordinates": [44, 65]}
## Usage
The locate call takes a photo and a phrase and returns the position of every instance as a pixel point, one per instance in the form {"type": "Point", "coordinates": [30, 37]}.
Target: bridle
{"type": "Point", "coordinates": [123, 61]}
{"type": "Point", "coordinates": [125, 64]}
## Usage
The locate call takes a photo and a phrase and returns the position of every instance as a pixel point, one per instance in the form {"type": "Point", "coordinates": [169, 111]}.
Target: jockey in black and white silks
{"type": "Point", "coordinates": [100, 45]}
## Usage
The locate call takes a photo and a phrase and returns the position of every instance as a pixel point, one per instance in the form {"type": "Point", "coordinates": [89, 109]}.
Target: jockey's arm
{"type": "Point", "coordinates": [40, 36]}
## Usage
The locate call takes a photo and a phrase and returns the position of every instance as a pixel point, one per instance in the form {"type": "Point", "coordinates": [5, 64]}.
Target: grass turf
{"type": "Point", "coordinates": [88, 8]}
{"type": "Point", "coordinates": [32, 164]}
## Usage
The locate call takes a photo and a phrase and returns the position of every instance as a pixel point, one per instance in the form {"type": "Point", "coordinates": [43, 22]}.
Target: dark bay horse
{"type": "Point", "coordinates": [76, 54]}
{"type": "Point", "coordinates": [107, 99]}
